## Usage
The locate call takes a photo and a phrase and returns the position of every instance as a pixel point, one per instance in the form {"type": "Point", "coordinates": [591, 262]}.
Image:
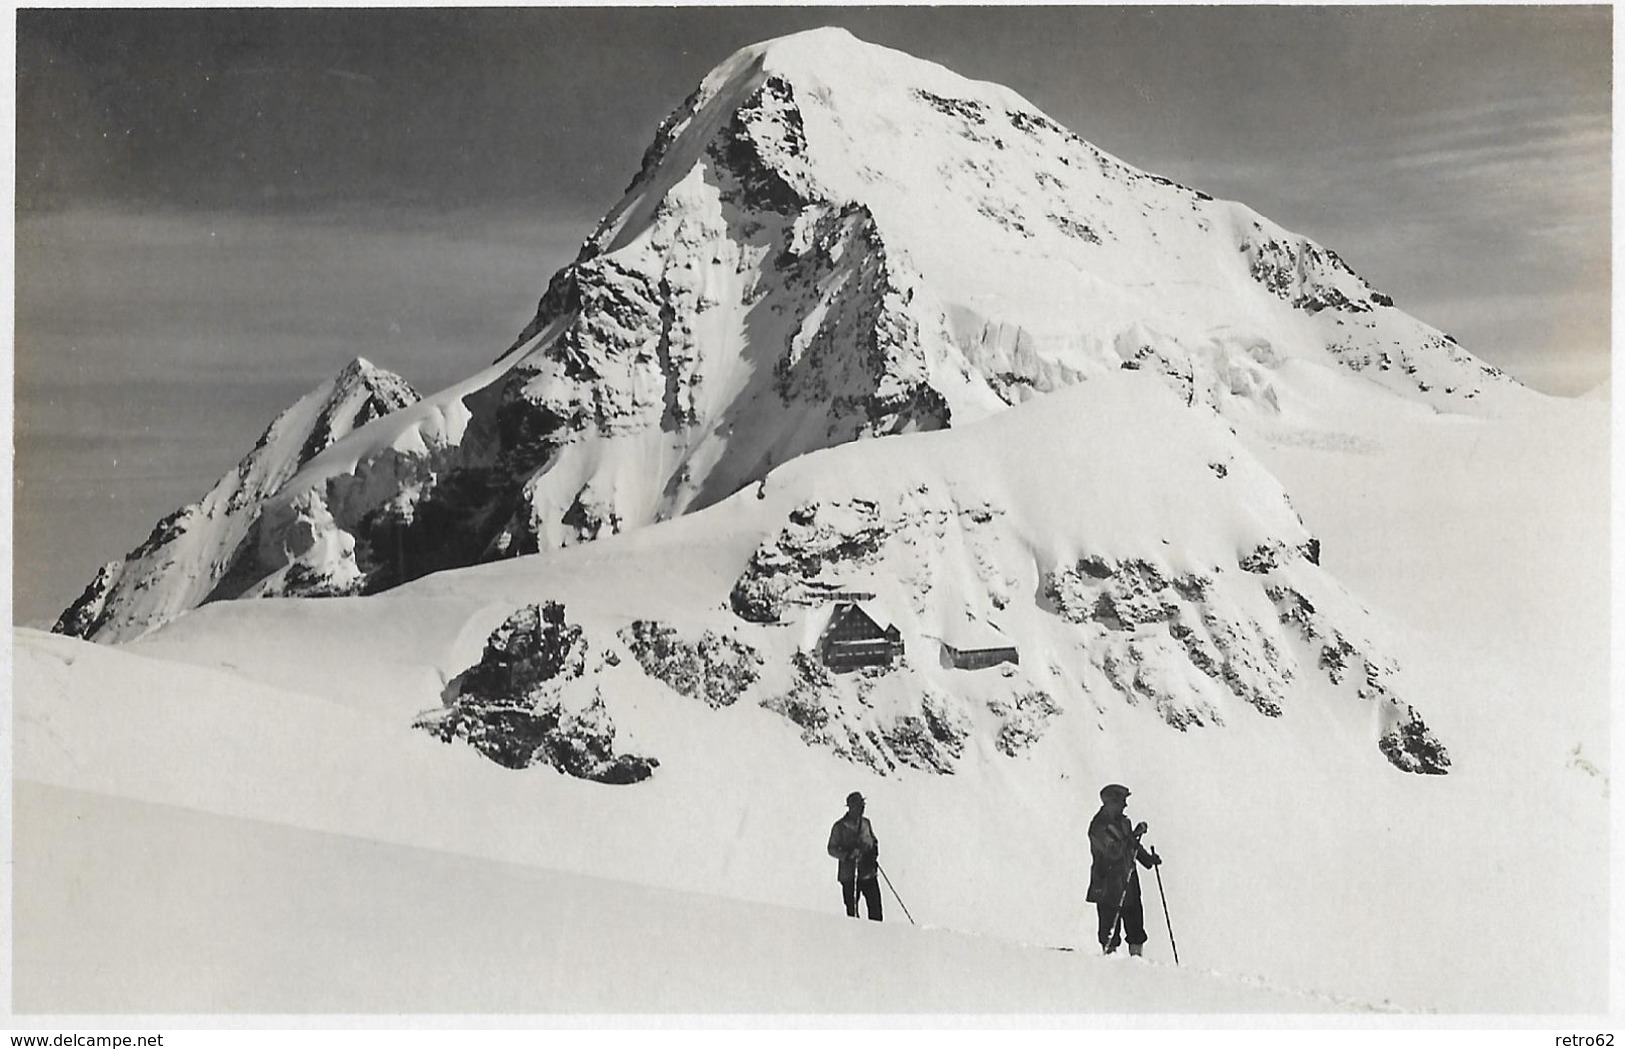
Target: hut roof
{"type": "Point", "coordinates": [875, 612]}
{"type": "Point", "coordinates": [816, 621]}
{"type": "Point", "coordinates": [971, 634]}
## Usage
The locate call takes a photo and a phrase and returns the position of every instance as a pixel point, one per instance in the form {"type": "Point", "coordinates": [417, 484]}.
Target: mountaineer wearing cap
{"type": "Point", "coordinates": [1114, 883]}
{"type": "Point", "coordinates": [852, 841]}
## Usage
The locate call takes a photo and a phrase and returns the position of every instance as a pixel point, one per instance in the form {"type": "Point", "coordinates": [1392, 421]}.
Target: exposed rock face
{"type": "Point", "coordinates": [517, 705]}
{"type": "Point", "coordinates": [1406, 740]}
{"type": "Point", "coordinates": [1023, 719]}
{"type": "Point", "coordinates": [1409, 744]}
{"type": "Point", "coordinates": [1147, 631]}
{"type": "Point", "coordinates": [191, 550]}
{"type": "Point", "coordinates": [789, 569]}
{"type": "Point", "coordinates": [88, 615]}
{"type": "Point", "coordinates": [882, 718]}
{"type": "Point", "coordinates": [1308, 276]}
{"type": "Point", "coordinates": [715, 669]}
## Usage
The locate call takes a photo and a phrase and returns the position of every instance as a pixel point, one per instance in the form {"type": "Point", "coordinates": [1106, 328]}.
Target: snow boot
{"type": "Point", "coordinates": [1134, 949]}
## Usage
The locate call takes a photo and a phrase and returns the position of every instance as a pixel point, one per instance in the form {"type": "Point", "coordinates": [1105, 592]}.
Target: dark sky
{"type": "Point", "coordinates": [286, 109]}
{"type": "Point", "coordinates": [216, 209]}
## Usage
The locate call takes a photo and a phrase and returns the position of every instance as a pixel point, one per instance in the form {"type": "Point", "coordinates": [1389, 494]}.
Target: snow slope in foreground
{"type": "Point", "coordinates": [1291, 858]}
{"type": "Point", "coordinates": [189, 912]}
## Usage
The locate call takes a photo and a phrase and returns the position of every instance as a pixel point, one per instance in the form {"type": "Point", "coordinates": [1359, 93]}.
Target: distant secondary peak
{"type": "Point", "coordinates": [362, 374]}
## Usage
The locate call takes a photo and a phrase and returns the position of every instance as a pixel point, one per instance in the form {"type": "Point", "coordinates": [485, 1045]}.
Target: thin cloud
{"type": "Point", "coordinates": [1576, 142]}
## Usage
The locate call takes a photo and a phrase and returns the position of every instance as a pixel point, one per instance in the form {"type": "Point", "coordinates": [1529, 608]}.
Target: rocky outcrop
{"type": "Point", "coordinates": [1405, 740]}
{"type": "Point", "coordinates": [1148, 630]}
{"type": "Point", "coordinates": [520, 707]}
{"type": "Point", "coordinates": [1146, 627]}
{"type": "Point", "coordinates": [1409, 744]}
{"type": "Point", "coordinates": [789, 570]}
{"type": "Point", "coordinates": [1310, 277]}
{"type": "Point", "coordinates": [1022, 719]}
{"type": "Point", "coordinates": [884, 719]}
{"type": "Point", "coordinates": [88, 615]}
{"type": "Point", "coordinates": [713, 668]}
{"type": "Point", "coordinates": [1198, 618]}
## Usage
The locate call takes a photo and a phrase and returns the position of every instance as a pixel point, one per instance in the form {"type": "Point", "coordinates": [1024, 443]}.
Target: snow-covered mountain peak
{"type": "Point", "coordinates": [831, 241]}
{"type": "Point", "coordinates": [361, 370]}
{"type": "Point", "coordinates": [1040, 252]}
{"type": "Point", "coordinates": [845, 73]}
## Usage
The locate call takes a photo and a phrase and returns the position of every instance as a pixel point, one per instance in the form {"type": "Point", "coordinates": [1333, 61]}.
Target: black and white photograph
{"type": "Point", "coordinates": [1069, 516]}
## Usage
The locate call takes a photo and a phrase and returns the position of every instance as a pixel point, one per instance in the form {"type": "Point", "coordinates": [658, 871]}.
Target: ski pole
{"type": "Point", "coordinates": [1117, 919]}
{"type": "Point", "coordinates": [1158, 868]}
{"type": "Point", "coordinates": [893, 889]}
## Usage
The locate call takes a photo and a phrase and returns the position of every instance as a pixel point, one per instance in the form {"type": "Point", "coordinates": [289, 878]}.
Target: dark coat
{"type": "Point", "coordinates": [845, 838]}
{"type": "Point", "coordinates": [1113, 849]}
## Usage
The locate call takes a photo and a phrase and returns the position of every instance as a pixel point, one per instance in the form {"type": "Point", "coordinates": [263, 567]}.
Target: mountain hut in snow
{"type": "Point", "coordinates": [858, 635]}
{"type": "Point", "coordinates": [973, 644]}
